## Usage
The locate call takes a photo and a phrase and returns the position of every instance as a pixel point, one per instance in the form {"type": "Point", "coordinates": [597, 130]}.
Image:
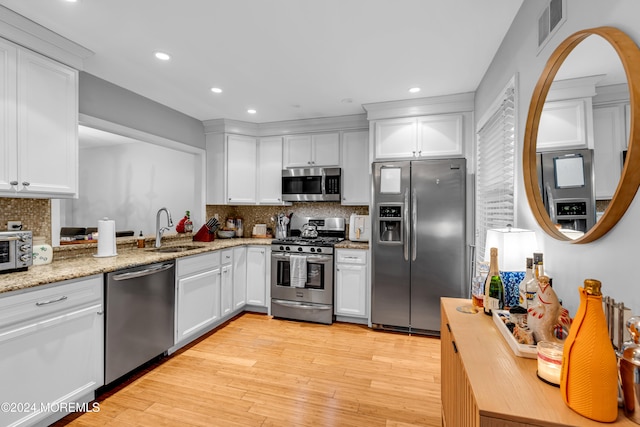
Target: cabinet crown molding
{"type": "Point", "coordinates": [33, 36]}
{"type": "Point", "coordinates": [421, 106]}
{"type": "Point", "coordinates": [321, 124]}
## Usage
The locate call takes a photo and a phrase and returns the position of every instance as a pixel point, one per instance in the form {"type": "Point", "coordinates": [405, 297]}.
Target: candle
{"type": "Point", "coordinates": [550, 361]}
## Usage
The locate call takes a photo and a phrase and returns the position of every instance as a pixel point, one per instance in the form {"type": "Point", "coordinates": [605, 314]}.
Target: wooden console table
{"type": "Point", "coordinates": [485, 384]}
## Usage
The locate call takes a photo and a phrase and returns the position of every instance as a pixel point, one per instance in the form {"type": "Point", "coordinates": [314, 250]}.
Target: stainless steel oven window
{"type": "Point", "coordinates": [319, 270]}
{"type": "Point", "coordinates": [5, 256]}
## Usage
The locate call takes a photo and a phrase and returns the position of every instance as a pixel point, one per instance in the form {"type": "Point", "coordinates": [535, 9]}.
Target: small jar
{"type": "Point", "coordinates": [141, 242]}
{"type": "Point", "coordinates": [550, 362]}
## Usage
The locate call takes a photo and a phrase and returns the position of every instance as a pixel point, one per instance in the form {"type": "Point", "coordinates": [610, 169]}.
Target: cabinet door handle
{"type": "Point", "coordinates": [13, 183]}
{"type": "Point", "coordinates": [26, 183]}
{"type": "Point", "coordinates": [62, 298]}
{"type": "Point", "coordinates": [455, 347]}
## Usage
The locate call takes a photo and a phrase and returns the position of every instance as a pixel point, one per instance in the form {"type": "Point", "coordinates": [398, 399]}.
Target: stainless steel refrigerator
{"type": "Point", "coordinates": [419, 249]}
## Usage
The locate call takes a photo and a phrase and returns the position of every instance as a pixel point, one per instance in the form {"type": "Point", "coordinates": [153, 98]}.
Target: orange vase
{"type": "Point", "coordinates": [589, 380]}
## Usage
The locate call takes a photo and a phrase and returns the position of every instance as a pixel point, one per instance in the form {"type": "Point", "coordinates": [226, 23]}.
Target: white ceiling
{"type": "Point", "coordinates": [288, 59]}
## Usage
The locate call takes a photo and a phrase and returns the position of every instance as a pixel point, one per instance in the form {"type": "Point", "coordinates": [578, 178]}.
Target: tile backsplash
{"type": "Point", "coordinates": [35, 215]}
{"type": "Point", "coordinates": [252, 215]}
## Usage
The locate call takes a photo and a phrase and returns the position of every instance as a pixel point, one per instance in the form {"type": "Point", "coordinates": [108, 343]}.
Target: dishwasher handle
{"type": "Point", "coordinates": [141, 273]}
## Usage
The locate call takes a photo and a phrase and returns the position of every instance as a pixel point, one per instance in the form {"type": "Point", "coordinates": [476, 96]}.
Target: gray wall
{"type": "Point", "coordinates": [106, 101]}
{"type": "Point", "coordinates": [611, 259]}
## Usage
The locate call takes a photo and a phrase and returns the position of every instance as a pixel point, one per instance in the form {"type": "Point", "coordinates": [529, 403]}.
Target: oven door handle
{"type": "Point", "coordinates": [279, 256]}
{"type": "Point", "coordinates": [297, 304]}
{"type": "Point", "coordinates": [319, 258]}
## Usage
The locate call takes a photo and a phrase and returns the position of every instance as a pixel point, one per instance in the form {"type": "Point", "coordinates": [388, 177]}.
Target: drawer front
{"type": "Point", "coordinates": [351, 256]}
{"type": "Point", "coordinates": [227, 256]}
{"type": "Point", "coordinates": [50, 300]}
{"type": "Point", "coordinates": [196, 263]}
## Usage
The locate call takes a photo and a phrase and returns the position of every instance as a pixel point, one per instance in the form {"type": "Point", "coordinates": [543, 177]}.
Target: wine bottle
{"type": "Point", "coordinates": [589, 379]}
{"type": "Point", "coordinates": [522, 288]}
{"type": "Point", "coordinates": [493, 286]}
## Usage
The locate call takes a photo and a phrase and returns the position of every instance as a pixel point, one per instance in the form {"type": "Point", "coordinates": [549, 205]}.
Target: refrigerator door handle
{"type": "Point", "coordinates": [405, 218]}
{"type": "Point", "coordinates": [414, 225]}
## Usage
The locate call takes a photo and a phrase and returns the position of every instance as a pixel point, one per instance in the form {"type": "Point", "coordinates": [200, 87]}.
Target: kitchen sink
{"type": "Point", "coordinates": [169, 249]}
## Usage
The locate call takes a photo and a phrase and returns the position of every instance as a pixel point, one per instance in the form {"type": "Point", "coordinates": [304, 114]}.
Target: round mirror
{"type": "Point", "coordinates": [560, 168]}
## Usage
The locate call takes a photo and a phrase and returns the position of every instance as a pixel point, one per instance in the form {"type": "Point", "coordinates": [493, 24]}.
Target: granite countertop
{"type": "Point", "coordinates": [72, 263]}
{"type": "Point", "coordinates": [348, 244]}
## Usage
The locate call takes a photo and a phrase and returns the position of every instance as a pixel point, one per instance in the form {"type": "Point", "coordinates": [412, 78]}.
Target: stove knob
{"type": "Point", "coordinates": [282, 248]}
{"type": "Point", "coordinates": [319, 250]}
{"type": "Point", "coordinates": [300, 249]}
{"type": "Point", "coordinates": [287, 248]}
{"type": "Point", "coordinates": [313, 250]}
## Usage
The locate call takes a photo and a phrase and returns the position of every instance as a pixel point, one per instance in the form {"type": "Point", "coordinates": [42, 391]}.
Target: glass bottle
{"type": "Point", "coordinates": [589, 380]}
{"type": "Point", "coordinates": [493, 286]}
{"type": "Point", "coordinates": [538, 265]}
{"type": "Point", "coordinates": [522, 288]}
{"type": "Point", "coordinates": [188, 224]}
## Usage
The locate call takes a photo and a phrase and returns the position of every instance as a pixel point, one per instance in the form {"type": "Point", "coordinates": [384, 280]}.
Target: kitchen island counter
{"type": "Point", "coordinates": [86, 264]}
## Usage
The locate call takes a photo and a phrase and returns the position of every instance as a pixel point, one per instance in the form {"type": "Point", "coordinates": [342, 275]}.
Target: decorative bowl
{"type": "Point", "coordinates": [226, 234]}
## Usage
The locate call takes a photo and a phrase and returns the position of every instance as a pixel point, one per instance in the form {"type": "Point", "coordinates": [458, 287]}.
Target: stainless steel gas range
{"type": "Point", "coordinates": [302, 268]}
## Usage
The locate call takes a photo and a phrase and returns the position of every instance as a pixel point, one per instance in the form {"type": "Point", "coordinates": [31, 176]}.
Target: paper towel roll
{"type": "Point", "coordinates": [106, 238]}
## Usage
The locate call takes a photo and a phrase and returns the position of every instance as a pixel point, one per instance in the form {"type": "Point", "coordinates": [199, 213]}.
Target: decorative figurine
{"type": "Point", "coordinates": [543, 314]}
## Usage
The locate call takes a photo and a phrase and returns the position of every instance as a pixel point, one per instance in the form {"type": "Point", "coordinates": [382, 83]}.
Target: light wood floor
{"type": "Point", "coordinates": [259, 371]}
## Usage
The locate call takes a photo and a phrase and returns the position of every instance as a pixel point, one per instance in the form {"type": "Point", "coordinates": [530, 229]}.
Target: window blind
{"type": "Point", "coordinates": [495, 170]}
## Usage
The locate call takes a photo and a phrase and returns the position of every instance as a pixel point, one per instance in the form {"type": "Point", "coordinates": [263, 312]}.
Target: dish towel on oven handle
{"type": "Point", "coordinates": [298, 270]}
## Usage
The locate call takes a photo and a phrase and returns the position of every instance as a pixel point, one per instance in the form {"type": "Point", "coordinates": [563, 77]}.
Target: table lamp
{"type": "Point", "coordinates": [514, 245]}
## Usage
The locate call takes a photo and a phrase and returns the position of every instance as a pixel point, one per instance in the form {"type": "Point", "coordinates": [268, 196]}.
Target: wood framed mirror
{"type": "Point", "coordinates": [629, 55]}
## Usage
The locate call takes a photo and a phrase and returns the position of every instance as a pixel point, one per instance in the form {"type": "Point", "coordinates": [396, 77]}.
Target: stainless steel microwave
{"type": "Point", "coordinates": [311, 184]}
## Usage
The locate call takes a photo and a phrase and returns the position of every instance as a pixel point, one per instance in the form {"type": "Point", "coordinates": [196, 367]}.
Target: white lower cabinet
{"type": "Point", "coordinates": [226, 285]}
{"type": "Point", "coordinates": [239, 277]}
{"type": "Point", "coordinates": [257, 282]}
{"type": "Point", "coordinates": [351, 289]}
{"type": "Point", "coordinates": [198, 293]}
{"type": "Point", "coordinates": [52, 347]}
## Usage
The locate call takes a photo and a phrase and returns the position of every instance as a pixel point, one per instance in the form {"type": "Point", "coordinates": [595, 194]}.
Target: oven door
{"type": "Point", "coordinates": [7, 253]}
{"type": "Point", "coordinates": [319, 284]}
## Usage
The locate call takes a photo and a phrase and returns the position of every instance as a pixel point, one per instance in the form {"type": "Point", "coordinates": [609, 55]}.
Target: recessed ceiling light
{"type": "Point", "coordinates": [162, 56]}
{"type": "Point", "coordinates": [414, 90]}
{"type": "Point", "coordinates": [216, 90]}
{"type": "Point", "coordinates": [251, 111]}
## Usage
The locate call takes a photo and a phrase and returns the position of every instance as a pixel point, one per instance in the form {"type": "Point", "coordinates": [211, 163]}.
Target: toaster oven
{"type": "Point", "coordinates": [16, 251]}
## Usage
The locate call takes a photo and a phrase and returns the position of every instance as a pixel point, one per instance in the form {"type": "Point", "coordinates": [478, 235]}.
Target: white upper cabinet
{"type": "Point", "coordinates": [322, 149]}
{"type": "Point", "coordinates": [243, 170]}
{"type": "Point", "coordinates": [8, 126]}
{"type": "Point", "coordinates": [434, 136]}
{"type": "Point", "coordinates": [610, 141]}
{"type": "Point", "coordinates": [39, 139]}
{"type": "Point", "coordinates": [565, 124]}
{"type": "Point", "coordinates": [440, 136]}
{"type": "Point", "coordinates": [395, 138]}
{"type": "Point", "coordinates": [242, 156]}
{"type": "Point", "coordinates": [270, 170]}
{"type": "Point", "coordinates": [356, 188]}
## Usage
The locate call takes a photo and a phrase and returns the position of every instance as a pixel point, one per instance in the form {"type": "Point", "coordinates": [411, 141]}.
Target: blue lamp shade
{"type": "Point", "coordinates": [514, 245]}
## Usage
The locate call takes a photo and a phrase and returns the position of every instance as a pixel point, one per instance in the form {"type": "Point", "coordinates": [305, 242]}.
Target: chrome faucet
{"type": "Point", "coordinates": [161, 230]}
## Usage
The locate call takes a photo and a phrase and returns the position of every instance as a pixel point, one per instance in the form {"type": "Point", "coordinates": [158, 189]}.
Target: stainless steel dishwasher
{"type": "Point", "coordinates": [139, 316]}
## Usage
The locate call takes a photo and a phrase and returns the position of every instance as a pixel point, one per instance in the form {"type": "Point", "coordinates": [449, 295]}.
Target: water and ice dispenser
{"type": "Point", "coordinates": [390, 217]}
